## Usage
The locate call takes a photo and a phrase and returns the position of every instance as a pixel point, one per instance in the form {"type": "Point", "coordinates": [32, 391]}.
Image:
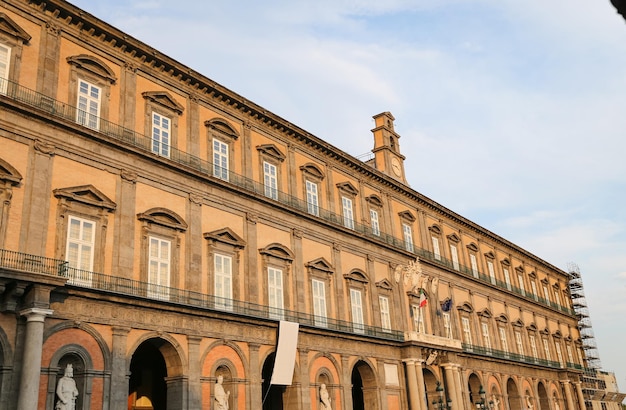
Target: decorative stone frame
{"type": "Point", "coordinates": [505, 265]}
{"type": "Point", "coordinates": [9, 178]}
{"type": "Point", "coordinates": [519, 273]}
{"type": "Point", "coordinates": [454, 241]}
{"type": "Point", "coordinates": [228, 370]}
{"type": "Point", "coordinates": [311, 172]}
{"type": "Point", "coordinates": [94, 71]}
{"type": "Point", "coordinates": [320, 269]}
{"type": "Point", "coordinates": [13, 37]}
{"type": "Point", "coordinates": [280, 257]}
{"type": "Point", "coordinates": [227, 243]}
{"type": "Point", "coordinates": [407, 218]}
{"type": "Point", "coordinates": [545, 337]}
{"type": "Point", "coordinates": [490, 257]}
{"type": "Point", "coordinates": [502, 322]}
{"type": "Point", "coordinates": [485, 317]}
{"type": "Point", "coordinates": [82, 364]}
{"type": "Point", "coordinates": [472, 249]}
{"type": "Point", "coordinates": [533, 283]}
{"type": "Point", "coordinates": [384, 288]}
{"type": "Point", "coordinates": [164, 104]}
{"type": "Point", "coordinates": [376, 204]}
{"type": "Point", "coordinates": [518, 326]}
{"type": "Point", "coordinates": [414, 300]}
{"type": "Point", "coordinates": [85, 202]}
{"type": "Point", "coordinates": [466, 310]}
{"type": "Point", "coordinates": [271, 154]}
{"type": "Point", "coordinates": [346, 189]}
{"type": "Point", "coordinates": [164, 224]}
{"type": "Point", "coordinates": [357, 279]}
{"type": "Point", "coordinates": [221, 130]}
{"type": "Point", "coordinates": [532, 330]}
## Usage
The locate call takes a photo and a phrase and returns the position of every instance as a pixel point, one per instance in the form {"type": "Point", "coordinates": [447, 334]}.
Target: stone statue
{"type": "Point", "coordinates": [221, 397]}
{"type": "Point", "coordinates": [529, 404]}
{"type": "Point", "coordinates": [67, 391]}
{"type": "Point", "coordinates": [324, 398]}
{"type": "Point", "coordinates": [495, 401]}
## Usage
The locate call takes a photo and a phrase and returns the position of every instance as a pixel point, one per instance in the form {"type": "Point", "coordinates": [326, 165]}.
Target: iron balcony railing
{"type": "Point", "coordinates": [148, 291]}
{"type": "Point", "coordinates": [501, 354]}
{"type": "Point", "coordinates": [228, 178]}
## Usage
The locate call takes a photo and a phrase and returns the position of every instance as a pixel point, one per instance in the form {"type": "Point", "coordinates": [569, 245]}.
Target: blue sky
{"type": "Point", "coordinates": [511, 113]}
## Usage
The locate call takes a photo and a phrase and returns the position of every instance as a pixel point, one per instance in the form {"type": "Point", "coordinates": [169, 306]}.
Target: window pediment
{"type": "Point", "coordinates": [227, 236]}
{"type": "Point", "coordinates": [502, 319]}
{"type": "Point", "coordinates": [356, 275]}
{"type": "Point", "coordinates": [454, 238]}
{"type": "Point", "coordinates": [348, 188]}
{"type": "Point", "coordinates": [313, 170]}
{"type": "Point", "coordinates": [164, 99]}
{"type": "Point", "coordinates": [532, 275]}
{"type": "Point", "coordinates": [465, 307]}
{"type": "Point", "coordinates": [9, 174]}
{"type": "Point", "coordinates": [86, 194]}
{"type": "Point", "coordinates": [490, 255]}
{"type": "Point", "coordinates": [384, 284]}
{"type": "Point", "coordinates": [472, 247]}
{"type": "Point", "coordinates": [532, 327]}
{"type": "Point", "coordinates": [7, 25]}
{"type": "Point", "coordinates": [278, 251]}
{"type": "Point", "coordinates": [545, 331]}
{"type": "Point", "coordinates": [519, 269]}
{"type": "Point", "coordinates": [320, 264]}
{"type": "Point", "coordinates": [272, 151]}
{"type": "Point", "coordinates": [416, 292]}
{"type": "Point", "coordinates": [506, 263]}
{"type": "Point", "coordinates": [407, 215]}
{"type": "Point", "coordinates": [93, 65]}
{"type": "Point", "coordinates": [557, 334]}
{"type": "Point", "coordinates": [374, 200]}
{"type": "Point", "coordinates": [486, 313]}
{"type": "Point", "coordinates": [163, 217]}
{"type": "Point", "coordinates": [435, 229]}
{"type": "Point", "coordinates": [222, 127]}
{"type": "Point", "coordinates": [518, 323]}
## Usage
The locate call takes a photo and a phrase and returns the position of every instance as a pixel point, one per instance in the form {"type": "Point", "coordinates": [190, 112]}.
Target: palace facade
{"type": "Point", "coordinates": [156, 227]}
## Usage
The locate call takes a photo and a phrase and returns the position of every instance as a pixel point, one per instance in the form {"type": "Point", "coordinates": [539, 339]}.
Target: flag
{"type": "Point", "coordinates": [423, 300]}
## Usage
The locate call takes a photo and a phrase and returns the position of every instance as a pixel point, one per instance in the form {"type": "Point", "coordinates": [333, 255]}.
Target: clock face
{"type": "Point", "coordinates": [395, 166]}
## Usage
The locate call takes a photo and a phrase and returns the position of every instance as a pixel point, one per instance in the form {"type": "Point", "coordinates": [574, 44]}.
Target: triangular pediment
{"type": "Point", "coordinates": [454, 238]}
{"type": "Point", "coordinates": [86, 194]}
{"type": "Point", "coordinates": [348, 188]}
{"type": "Point", "coordinates": [320, 264]}
{"type": "Point", "coordinates": [164, 99]}
{"type": "Point", "coordinates": [163, 217]}
{"type": "Point", "coordinates": [222, 127]}
{"type": "Point", "coordinates": [93, 65]}
{"type": "Point", "coordinates": [227, 236]}
{"type": "Point", "coordinates": [9, 173]}
{"type": "Point", "coordinates": [502, 319]}
{"type": "Point", "coordinates": [12, 28]}
{"type": "Point", "coordinates": [486, 313]}
{"type": "Point", "coordinates": [532, 327]}
{"type": "Point", "coordinates": [272, 151]}
{"type": "Point", "coordinates": [278, 251]}
{"type": "Point", "coordinates": [384, 284]}
{"type": "Point", "coordinates": [518, 323]}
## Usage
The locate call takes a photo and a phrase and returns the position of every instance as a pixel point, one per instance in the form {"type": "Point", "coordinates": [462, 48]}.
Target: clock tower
{"type": "Point", "coordinates": [387, 156]}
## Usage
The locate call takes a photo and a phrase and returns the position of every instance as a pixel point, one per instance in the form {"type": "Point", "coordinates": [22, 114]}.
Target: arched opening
{"type": "Point", "coordinates": [473, 387]}
{"type": "Point", "coordinates": [544, 399]}
{"type": "Point", "coordinates": [430, 385]}
{"type": "Point", "coordinates": [272, 395]}
{"type": "Point", "coordinates": [512, 392]}
{"type": "Point", "coordinates": [153, 384]}
{"type": "Point", "coordinates": [77, 366]}
{"type": "Point", "coordinates": [364, 388]}
{"type": "Point", "coordinates": [227, 383]}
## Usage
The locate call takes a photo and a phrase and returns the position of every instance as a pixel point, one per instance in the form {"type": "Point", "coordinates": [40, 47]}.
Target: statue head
{"type": "Point", "coordinates": [69, 371]}
{"type": "Point", "coordinates": [220, 379]}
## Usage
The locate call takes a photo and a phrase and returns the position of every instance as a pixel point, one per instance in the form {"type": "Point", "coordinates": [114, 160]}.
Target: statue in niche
{"type": "Point", "coordinates": [66, 390]}
{"type": "Point", "coordinates": [495, 401]}
{"type": "Point", "coordinates": [221, 396]}
{"type": "Point", "coordinates": [324, 398]}
{"type": "Point", "coordinates": [529, 404]}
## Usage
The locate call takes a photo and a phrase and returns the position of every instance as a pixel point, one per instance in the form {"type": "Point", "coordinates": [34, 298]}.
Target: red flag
{"type": "Point", "coordinates": [423, 300]}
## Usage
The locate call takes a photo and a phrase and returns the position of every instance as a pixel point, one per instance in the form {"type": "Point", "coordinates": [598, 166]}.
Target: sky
{"type": "Point", "coordinates": [511, 113]}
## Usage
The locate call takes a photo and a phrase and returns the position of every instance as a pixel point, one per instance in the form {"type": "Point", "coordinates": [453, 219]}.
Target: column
{"type": "Point", "coordinates": [346, 382]}
{"type": "Point", "coordinates": [568, 394]}
{"type": "Point", "coordinates": [303, 355]}
{"type": "Point", "coordinates": [195, 370]}
{"type": "Point", "coordinates": [581, 396]}
{"type": "Point", "coordinates": [254, 398]}
{"type": "Point", "coordinates": [454, 388]}
{"type": "Point", "coordinates": [412, 382]}
{"type": "Point", "coordinates": [421, 388]}
{"type": "Point", "coordinates": [119, 369]}
{"type": "Point", "coordinates": [31, 361]}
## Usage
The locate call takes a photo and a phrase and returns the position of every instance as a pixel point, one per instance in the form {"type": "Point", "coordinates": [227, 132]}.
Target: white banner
{"type": "Point", "coordinates": [285, 353]}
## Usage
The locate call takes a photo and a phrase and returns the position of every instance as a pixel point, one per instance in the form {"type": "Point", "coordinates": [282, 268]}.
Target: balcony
{"type": "Point", "coordinates": [500, 354]}
{"type": "Point", "coordinates": [142, 290]}
{"type": "Point", "coordinates": [230, 180]}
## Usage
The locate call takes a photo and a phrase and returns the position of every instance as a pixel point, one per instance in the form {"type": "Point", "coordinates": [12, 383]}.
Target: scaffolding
{"type": "Point", "coordinates": [579, 303]}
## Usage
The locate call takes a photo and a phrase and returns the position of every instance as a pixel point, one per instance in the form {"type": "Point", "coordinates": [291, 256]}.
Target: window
{"type": "Point", "coordinates": [319, 302]}
{"type": "Point", "coordinates": [160, 135]}
{"type": "Point", "coordinates": [570, 356]}
{"type": "Point", "coordinates": [270, 180]}
{"type": "Point", "coordinates": [504, 344]}
{"type": "Point", "coordinates": [418, 319]}
{"type": "Point", "coordinates": [447, 325]}
{"type": "Point", "coordinates": [520, 283]}
{"type": "Point", "coordinates": [474, 264]}
{"type": "Point", "coordinates": [436, 251]}
{"type": "Point", "coordinates": [312, 200]}
{"type": "Point", "coordinates": [546, 348]}
{"type": "Point", "coordinates": [159, 255]}
{"type": "Point", "coordinates": [454, 253]}
{"type": "Point", "coordinates": [356, 304]}
{"type": "Point", "coordinates": [348, 212]}
{"type": "Point", "coordinates": [533, 345]}
{"type": "Point", "coordinates": [467, 333]}
{"type": "Point", "coordinates": [486, 338]}
{"type": "Point", "coordinates": [88, 105]}
{"type": "Point", "coordinates": [5, 58]}
{"type": "Point", "coordinates": [533, 286]}
{"type": "Point", "coordinates": [559, 354]}
{"type": "Point", "coordinates": [275, 293]}
{"type": "Point", "coordinates": [223, 278]}
{"type": "Point", "coordinates": [408, 237]}
{"type": "Point", "coordinates": [220, 159]}
{"type": "Point", "coordinates": [519, 343]}
{"type": "Point", "coordinates": [492, 272]}
{"type": "Point", "coordinates": [546, 293]}
{"type": "Point", "coordinates": [507, 278]}
{"type": "Point", "coordinates": [80, 249]}
{"type": "Point", "coordinates": [385, 315]}
{"type": "Point", "coordinates": [375, 224]}
{"type": "Point", "coordinates": [557, 296]}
